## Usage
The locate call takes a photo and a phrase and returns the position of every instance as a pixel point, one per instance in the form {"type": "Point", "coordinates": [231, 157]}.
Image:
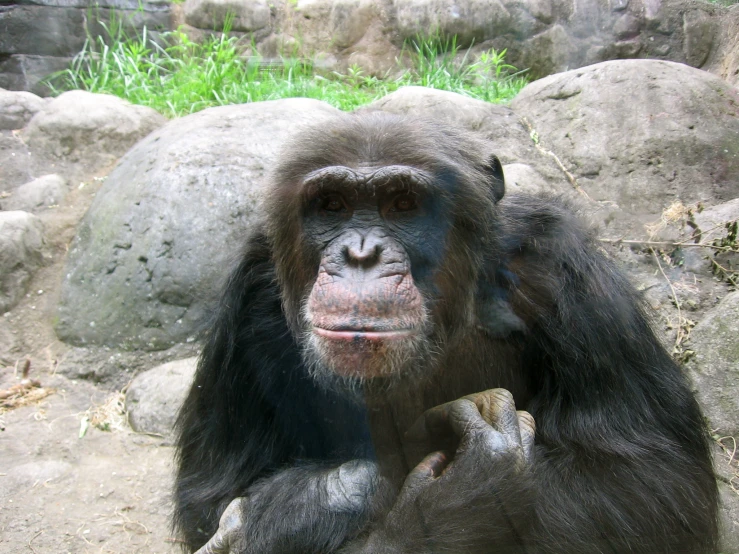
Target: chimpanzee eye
{"type": "Point", "coordinates": [333, 203]}
{"type": "Point", "coordinates": [404, 203]}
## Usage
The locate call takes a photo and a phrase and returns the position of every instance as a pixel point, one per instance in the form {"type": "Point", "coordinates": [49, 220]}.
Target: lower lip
{"type": "Point", "coordinates": [349, 335]}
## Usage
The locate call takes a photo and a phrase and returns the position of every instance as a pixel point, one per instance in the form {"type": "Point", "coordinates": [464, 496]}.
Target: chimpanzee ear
{"type": "Point", "coordinates": [494, 171]}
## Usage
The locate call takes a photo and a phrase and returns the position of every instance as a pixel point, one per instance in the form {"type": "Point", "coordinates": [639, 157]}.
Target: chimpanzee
{"type": "Point", "coordinates": [356, 389]}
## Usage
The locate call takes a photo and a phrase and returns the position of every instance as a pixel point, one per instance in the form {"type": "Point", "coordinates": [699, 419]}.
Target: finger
{"type": "Point", "coordinates": [459, 417]}
{"type": "Point", "coordinates": [527, 427]}
{"type": "Point", "coordinates": [231, 522]}
{"type": "Point", "coordinates": [218, 544]}
{"type": "Point", "coordinates": [421, 430]}
{"type": "Point", "coordinates": [429, 468]}
{"type": "Point", "coordinates": [496, 407]}
{"type": "Point", "coordinates": [464, 417]}
{"type": "Point", "coordinates": [232, 518]}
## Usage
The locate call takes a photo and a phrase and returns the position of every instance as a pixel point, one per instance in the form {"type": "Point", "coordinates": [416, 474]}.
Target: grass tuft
{"type": "Point", "coordinates": [177, 76]}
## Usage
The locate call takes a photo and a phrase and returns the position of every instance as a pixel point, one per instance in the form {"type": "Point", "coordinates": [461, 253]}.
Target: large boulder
{"type": "Point", "coordinates": [170, 218]}
{"type": "Point", "coordinates": [640, 132]}
{"type": "Point", "coordinates": [21, 254]}
{"type": "Point", "coordinates": [92, 129]}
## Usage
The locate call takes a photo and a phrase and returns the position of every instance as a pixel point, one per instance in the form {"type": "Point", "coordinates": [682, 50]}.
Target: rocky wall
{"type": "Point", "coordinates": [40, 37]}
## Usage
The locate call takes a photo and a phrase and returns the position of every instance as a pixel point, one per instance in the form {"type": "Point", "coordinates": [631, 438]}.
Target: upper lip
{"type": "Point", "coordinates": [364, 330]}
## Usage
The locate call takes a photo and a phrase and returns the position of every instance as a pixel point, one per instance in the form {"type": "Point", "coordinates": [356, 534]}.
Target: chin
{"type": "Point", "coordinates": [364, 361]}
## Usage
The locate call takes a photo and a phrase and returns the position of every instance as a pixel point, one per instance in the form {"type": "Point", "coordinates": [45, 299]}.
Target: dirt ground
{"type": "Point", "coordinates": [62, 490]}
{"type": "Point", "coordinates": [103, 492]}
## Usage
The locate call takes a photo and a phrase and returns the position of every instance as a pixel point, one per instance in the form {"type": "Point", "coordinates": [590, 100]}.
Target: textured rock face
{"type": "Point", "coordinates": [48, 190]}
{"type": "Point", "coordinates": [640, 133]}
{"type": "Point", "coordinates": [40, 37]}
{"type": "Point", "coordinates": [155, 396]}
{"type": "Point", "coordinates": [715, 367]}
{"type": "Point", "coordinates": [248, 16]}
{"type": "Point", "coordinates": [714, 371]}
{"type": "Point", "coordinates": [473, 21]}
{"type": "Point", "coordinates": [544, 36]}
{"type": "Point", "coordinates": [17, 109]}
{"type": "Point", "coordinates": [171, 217]}
{"type": "Point", "coordinates": [21, 254]}
{"type": "Point", "coordinates": [93, 128]}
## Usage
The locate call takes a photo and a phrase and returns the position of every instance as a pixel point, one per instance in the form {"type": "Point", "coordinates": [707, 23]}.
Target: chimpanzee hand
{"type": "Point", "coordinates": [229, 539]}
{"type": "Point", "coordinates": [298, 510]}
{"type": "Point", "coordinates": [471, 500]}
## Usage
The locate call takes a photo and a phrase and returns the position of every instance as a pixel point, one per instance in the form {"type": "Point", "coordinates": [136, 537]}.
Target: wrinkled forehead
{"type": "Point", "coordinates": [373, 138]}
{"type": "Point", "coordinates": [368, 178]}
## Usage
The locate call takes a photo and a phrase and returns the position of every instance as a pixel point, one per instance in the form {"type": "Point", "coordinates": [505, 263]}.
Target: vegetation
{"type": "Point", "coordinates": [176, 76]}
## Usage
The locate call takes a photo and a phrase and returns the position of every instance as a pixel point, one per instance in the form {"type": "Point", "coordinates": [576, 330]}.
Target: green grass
{"type": "Point", "coordinates": [177, 76]}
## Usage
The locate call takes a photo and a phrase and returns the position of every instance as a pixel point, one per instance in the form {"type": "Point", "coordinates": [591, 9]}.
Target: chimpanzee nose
{"type": "Point", "coordinates": [363, 250]}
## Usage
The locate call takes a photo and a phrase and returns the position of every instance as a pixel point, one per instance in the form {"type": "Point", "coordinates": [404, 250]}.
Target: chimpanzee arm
{"type": "Point", "coordinates": [252, 412]}
{"type": "Point", "coordinates": [301, 509]}
{"type": "Point", "coordinates": [623, 463]}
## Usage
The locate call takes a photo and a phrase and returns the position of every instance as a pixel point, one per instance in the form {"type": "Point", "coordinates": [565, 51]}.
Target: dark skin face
{"type": "Point", "coordinates": [367, 313]}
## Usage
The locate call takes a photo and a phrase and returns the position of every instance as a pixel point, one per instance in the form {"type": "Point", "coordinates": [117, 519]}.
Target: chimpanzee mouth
{"type": "Point", "coordinates": [371, 334]}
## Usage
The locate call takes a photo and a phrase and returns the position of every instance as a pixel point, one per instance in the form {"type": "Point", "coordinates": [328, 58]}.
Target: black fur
{"type": "Point", "coordinates": [622, 460]}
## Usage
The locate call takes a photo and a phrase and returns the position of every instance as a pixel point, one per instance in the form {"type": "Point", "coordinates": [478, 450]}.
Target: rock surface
{"type": "Point", "coordinates": [154, 397]}
{"type": "Point", "coordinates": [542, 36]}
{"type": "Point", "coordinates": [678, 136]}
{"type": "Point", "coordinates": [715, 367]}
{"type": "Point", "coordinates": [21, 254]}
{"type": "Point", "coordinates": [40, 37]}
{"type": "Point", "coordinates": [96, 129]}
{"type": "Point", "coordinates": [48, 190]}
{"type": "Point", "coordinates": [247, 15]}
{"type": "Point", "coordinates": [17, 109]}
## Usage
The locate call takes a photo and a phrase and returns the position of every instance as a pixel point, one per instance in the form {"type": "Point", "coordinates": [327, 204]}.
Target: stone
{"type": "Point", "coordinates": [248, 15]}
{"type": "Point", "coordinates": [22, 72]}
{"type": "Point", "coordinates": [21, 254]}
{"type": "Point", "coordinates": [17, 108]}
{"type": "Point", "coordinates": [546, 52]}
{"type": "Point", "coordinates": [48, 190]}
{"type": "Point", "coordinates": [95, 129]}
{"type": "Point", "coordinates": [678, 137]}
{"type": "Point", "coordinates": [699, 29]}
{"type": "Point", "coordinates": [714, 369]}
{"type": "Point", "coordinates": [627, 26]}
{"type": "Point", "coordinates": [154, 397]}
{"type": "Point", "coordinates": [470, 21]}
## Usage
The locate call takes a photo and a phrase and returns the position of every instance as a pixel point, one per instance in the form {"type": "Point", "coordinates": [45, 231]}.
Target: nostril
{"type": "Point", "coordinates": [367, 253]}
